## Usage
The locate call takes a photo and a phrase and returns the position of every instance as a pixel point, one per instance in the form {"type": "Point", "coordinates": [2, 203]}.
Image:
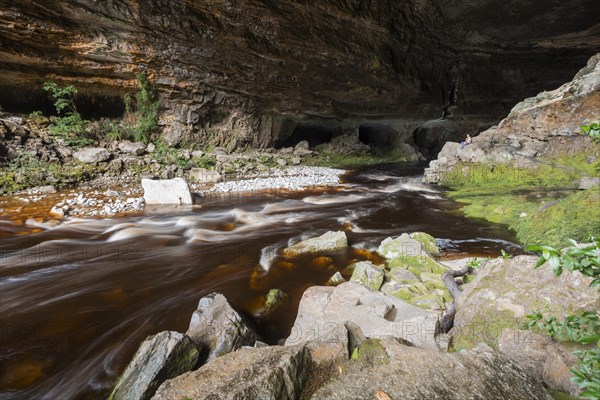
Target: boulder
{"type": "Point", "coordinates": [263, 373]}
{"type": "Point", "coordinates": [275, 299]}
{"type": "Point", "coordinates": [216, 326]}
{"type": "Point", "coordinates": [368, 274]}
{"type": "Point", "coordinates": [133, 148]}
{"type": "Point", "coordinates": [330, 241]}
{"type": "Point", "coordinates": [92, 155]}
{"type": "Point", "coordinates": [428, 242]}
{"type": "Point", "coordinates": [336, 279]}
{"type": "Point", "coordinates": [408, 253]}
{"type": "Point", "coordinates": [588, 182]}
{"type": "Point", "coordinates": [413, 373]}
{"type": "Point", "coordinates": [542, 358]}
{"type": "Point", "coordinates": [197, 154]}
{"type": "Point", "coordinates": [166, 191]}
{"type": "Point", "coordinates": [303, 144]}
{"type": "Point", "coordinates": [160, 357]}
{"type": "Point", "coordinates": [324, 310]}
{"type": "Point", "coordinates": [506, 290]}
{"type": "Point", "coordinates": [203, 175]}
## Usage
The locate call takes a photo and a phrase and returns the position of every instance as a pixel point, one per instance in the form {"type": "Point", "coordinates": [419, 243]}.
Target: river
{"type": "Point", "coordinates": [77, 299]}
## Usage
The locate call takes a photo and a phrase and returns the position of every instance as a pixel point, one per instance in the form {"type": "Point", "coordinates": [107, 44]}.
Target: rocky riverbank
{"type": "Point", "coordinates": [355, 339]}
{"type": "Point", "coordinates": [535, 171]}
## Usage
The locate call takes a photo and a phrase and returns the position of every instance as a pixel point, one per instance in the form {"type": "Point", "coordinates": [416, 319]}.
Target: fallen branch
{"type": "Point", "coordinates": [447, 320]}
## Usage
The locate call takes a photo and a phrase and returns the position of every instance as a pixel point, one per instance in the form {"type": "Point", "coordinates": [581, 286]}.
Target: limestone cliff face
{"type": "Point", "coordinates": [237, 72]}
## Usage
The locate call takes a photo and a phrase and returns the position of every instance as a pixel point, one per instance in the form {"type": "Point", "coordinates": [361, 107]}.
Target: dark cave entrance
{"type": "Point", "coordinates": [313, 134]}
{"type": "Point", "coordinates": [381, 137]}
{"type": "Point", "coordinates": [28, 100]}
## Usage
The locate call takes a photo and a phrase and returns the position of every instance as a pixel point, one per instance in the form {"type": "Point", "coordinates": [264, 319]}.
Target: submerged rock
{"type": "Point", "coordinates": [330, 241]}
{"type": "Point", "coordinates": [336, 279]}
{"type": "Point", "coordinates": [216, 326]}
{"type": "Point", "coordinates": [166, 191]}
{"type": "Point", "coordinates": [275, 299]}
{"type": "Point", "coordinates": [160, 357]}
{"type": "Point", "coordinates": [265, 373]}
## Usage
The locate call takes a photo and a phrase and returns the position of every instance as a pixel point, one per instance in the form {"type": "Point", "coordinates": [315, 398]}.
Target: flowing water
{"type": "Point", "coordinates": [76, 300]}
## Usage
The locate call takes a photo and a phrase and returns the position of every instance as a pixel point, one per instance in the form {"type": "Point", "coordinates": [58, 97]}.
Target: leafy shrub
{"type": "Point", "coordinates": [584, 327]}
{"type": "Point", "coordinates": [592, 130]}
{"type": "Point", "coordinates": [583, 259]}
{"type": "Point", "coordinates": [141, 114]}
{"type": "Point", "coordinates": [68, 122]}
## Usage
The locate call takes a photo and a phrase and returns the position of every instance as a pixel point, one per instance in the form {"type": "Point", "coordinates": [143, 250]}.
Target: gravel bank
{"type": "Point", "coordinates": [292, 178]}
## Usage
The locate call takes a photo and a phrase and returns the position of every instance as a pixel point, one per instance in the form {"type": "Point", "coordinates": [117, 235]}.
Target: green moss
{"type": "Point", "coordinates": [371, 353]}
{"type": "Point", "coordinates": [417, 264]}
{"type": "Point", "coordinates": [275, 299]}
{"type": "Point", "coordinates": [540, 204]}
{"type": "Point", "coordinates": [556, 395]}
{"type": "Point", "coordinates": [328, 159]}
{"type": "Point", "coordinates": [486, 330]}
{"type": "Point", "coordinates": [428, 242]}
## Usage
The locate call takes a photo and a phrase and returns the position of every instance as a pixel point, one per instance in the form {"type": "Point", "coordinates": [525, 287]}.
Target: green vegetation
{"type": "Point", "coordinates": [583, 328]}
{"type": "Point", "coordinates": [328, 159]}
{"type": "Point", "coordinates": [141, 114]}
{"type": "Point", "coordinates": [592, 130]}
{"type": "Point", "coordinates": [541, 203]}
{"type": "Point", "coordinates": [68, 123]}
{"type": "Point", "coordinates": [28, 171]}
{"type": "Point", "coordinates": [585, 259]}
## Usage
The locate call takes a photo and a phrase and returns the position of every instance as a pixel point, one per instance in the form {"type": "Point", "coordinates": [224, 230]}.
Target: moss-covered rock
{"type": "Point", "coordinates": [430, 301]}
{"type": "Point", "coordinates": [275, 299]}
{"type": "Point", "coordinates": [368, 274]}
{"type": "Point", "coordinates": [428, 242]}
{"type": "Point", "coordinates": [432, 281]}
{"type": "Point", "coordinates": [371, 353]}
{"type": "Point", "coordinates": [506, 290]}
{"type": "Point", "coordinates": [398, 290]}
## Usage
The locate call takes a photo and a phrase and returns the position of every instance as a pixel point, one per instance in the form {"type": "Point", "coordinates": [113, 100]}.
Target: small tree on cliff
{"type": "Point", "coordinates": [68, 123]}
{"type": "Point", "coordinates": [141, 113]}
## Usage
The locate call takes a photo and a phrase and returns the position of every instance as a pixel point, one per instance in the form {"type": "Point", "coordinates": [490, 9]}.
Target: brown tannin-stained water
{"type": "Point", "coordinates": [77, 300]}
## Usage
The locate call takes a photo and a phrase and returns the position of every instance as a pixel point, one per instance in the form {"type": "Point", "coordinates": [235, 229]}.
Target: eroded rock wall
{"type": "Point", "coordinates": [224, 70]}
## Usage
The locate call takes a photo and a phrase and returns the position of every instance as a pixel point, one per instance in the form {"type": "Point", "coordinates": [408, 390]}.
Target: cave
{"type": "Point", "coordinates": [314, 134]}
{"type": "Point", "coordinates": [378, 136]}
{"type": "Point", "coordinates": [34, 98]}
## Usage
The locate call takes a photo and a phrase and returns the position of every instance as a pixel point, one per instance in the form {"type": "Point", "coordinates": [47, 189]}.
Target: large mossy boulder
{"type": "Point", "coordinates": [506, 290]}
{"type": "Point", "coordinates": [160, 357]}
{"type": "Point", "coordinates": [368, 274]}
{"type": "Point", "coordinates": [411, 254]}
{"type": "Point", "coordinates": [414, 275]}
{"type": "Point", "coordinates": [428, 242]}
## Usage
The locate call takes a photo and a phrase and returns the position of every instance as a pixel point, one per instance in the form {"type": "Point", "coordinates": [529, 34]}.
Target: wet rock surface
{"type": "Point", "coordinates": [217, 328]}
{"type": "Point", "coordinates": [161, 357]}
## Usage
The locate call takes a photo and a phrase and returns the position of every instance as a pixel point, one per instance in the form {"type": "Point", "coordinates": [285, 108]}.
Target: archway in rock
{"type": "Point", "coordinates": [314, 134]}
